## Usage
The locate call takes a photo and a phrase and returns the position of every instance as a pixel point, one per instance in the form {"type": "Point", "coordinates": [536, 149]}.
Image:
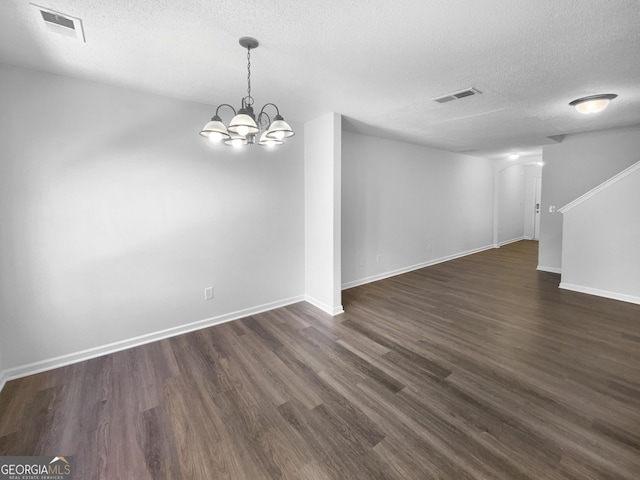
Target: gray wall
{"type": "Point", "coordinates": [511, 196]}
{"type": "Point", "coordinates": [322, 170]}
{"type": "Point", "coordinates": [404, 205]}
{"type": "Point", "coordinates": [572, 168]}
{"type": "Point", "coordinates": [116, 215]}
{"type": "Point", "coordinates": [601, 239]}
{"type": "Point", "coordinates": [2, 379]}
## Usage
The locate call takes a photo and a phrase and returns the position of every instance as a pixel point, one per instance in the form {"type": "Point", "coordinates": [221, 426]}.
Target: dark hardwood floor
{"type": "Point", "coordinates": [478, 368]}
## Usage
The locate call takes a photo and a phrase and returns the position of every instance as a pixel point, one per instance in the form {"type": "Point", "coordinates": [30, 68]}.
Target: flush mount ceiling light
{"type": "Point", "coordinates": [593, 103]}
{"type": "Point", "coordinates": [514, 156]}
{"type": "Point", "coordinates": [245, 127]}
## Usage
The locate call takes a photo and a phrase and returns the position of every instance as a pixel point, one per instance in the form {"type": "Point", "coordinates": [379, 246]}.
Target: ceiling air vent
{"type": "Point", "coordinates": [449, 97]}
{"type": "Point", "coordinates": [60, 23]}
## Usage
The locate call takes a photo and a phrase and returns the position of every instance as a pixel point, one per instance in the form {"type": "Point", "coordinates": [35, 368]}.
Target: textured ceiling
{"type": "Point", "coordinates": [378, 63]}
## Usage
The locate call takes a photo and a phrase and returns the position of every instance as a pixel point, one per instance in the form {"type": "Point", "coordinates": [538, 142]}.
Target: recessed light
{"type": "Point", "coordinates": [514, 156]}
{"type": "Point", "coordinates": [593, 103]}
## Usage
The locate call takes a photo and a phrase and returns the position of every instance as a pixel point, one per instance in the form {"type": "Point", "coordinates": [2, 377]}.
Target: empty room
{"type": "Point", "coordinates": [320, 240]}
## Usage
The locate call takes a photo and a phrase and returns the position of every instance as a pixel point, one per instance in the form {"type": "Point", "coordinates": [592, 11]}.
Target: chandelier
{"type": "Point", "coordinates": [245, 128]}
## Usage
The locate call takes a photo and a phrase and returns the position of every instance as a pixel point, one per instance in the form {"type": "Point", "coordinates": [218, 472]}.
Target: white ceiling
{"type": "Point", "coordinates": [379, 63]}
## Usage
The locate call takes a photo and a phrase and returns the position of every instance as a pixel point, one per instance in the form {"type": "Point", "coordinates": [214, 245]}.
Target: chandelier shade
{"type": "Point", "coordinates": [245, 127]}
{"type": "Point", "coordinates": [267, 141]}
{"type": "Point", "coordinates": [215, 130]}
{"type": "Point", "coordinates": [279, 129]}
{"type": "Point", "coordinates": [236, 141]}
{"type": "Point", "coordinates": [243, 124]}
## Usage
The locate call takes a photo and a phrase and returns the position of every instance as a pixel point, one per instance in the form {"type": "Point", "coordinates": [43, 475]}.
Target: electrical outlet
{"type": "Point", "coordinates": [208, 293]}
{"type": "Point", "coordinates": [362, 261]}
{"type": "Point", "coordinates": [428, 247]}
{"type": "Point", "coordinates": [378, 258]}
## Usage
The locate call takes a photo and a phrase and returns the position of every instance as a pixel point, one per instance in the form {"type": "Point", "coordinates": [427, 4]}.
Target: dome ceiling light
{"type": "Point", "coordinates": [245, 128]}
{"type": "Point", "coordinates": [593, 103]}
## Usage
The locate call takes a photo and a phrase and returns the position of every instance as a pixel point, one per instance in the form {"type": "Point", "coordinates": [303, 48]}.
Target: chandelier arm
{"type": "Point", "coordinates": [273, 105]}
{"type": "Point", "coordinates": [262, 112]}
{"type": "Point", "coordinates": [226, 105]}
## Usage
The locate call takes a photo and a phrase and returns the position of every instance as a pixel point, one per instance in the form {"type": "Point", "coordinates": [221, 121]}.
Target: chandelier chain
{"type": "Point", "coordinates": [249, 97]}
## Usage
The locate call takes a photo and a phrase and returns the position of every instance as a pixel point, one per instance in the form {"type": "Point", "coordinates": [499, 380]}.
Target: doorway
{"type": "Point", "coordinates": [536, 215]}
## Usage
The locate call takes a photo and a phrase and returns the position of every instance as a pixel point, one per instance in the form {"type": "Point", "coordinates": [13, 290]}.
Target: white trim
{"type": "Point", "coordinates": [520, 164]}
{"type": "Point", "coordinates": [544, 268]}
{"type": "Point", "coordinates": [63, 360]}
{"type": "Point", "coordinates": [323, 306]}
{"type": "Point", "coordinates": [601, 293]}
{"type": "Point", "coordinates": [507, 242]}
{"type": "Point", "coordinates": [616, 178]}
{"type": "Point", "coordinates": [417, 266]}
{"type": "Point", "coordinates": [4, 377]}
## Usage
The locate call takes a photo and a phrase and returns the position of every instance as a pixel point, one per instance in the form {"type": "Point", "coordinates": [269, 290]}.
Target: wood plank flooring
{"type": "Point", "coordinates": [478, 368]}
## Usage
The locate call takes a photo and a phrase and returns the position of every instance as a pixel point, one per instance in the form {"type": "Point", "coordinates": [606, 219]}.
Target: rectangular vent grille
{"type": "Point", "coordinates": [60, 23]}
{"type": "Point", "coordinates": [57, 19]}
{"type": "Point", "coordinates": [467, 92]}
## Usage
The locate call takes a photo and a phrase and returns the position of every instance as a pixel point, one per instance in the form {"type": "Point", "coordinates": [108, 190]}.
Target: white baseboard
{"type": "Point", "coordinates": [323, 306]}
{"type": "Point", "coordinates": [542, 268]}
{"type": "Point", "coordinates": [601, 293]}
{"type": "Point", "coordinates": [513, 240]}
{"type": "Point", "coordinates": [4, 376]}
{"type": "Point", "coordinates": [400, 271]}
{"type": "Point", "coordinates": [63, 360]}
